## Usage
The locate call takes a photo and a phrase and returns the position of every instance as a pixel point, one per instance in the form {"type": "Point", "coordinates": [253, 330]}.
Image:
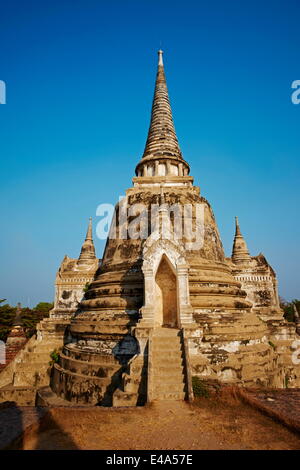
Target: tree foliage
{"type": "Point", "coordinates": [7, 315]}
{"type": "Point", "coordinates": [44, 307]}
{"type": "Point", "coordinates": [29, 317]}
{"type": "Point", "coordinates": [289, 309]}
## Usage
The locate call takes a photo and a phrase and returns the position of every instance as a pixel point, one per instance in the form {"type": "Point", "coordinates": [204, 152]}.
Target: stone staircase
{"type": "Point", "coordinates": [133, 389]}
{"type": "Point", "coordinates": [30, 369]}
{"type": "Point", "coordinates": [158, 376]}
{"type": "Point", "coordinates": [166, 374]}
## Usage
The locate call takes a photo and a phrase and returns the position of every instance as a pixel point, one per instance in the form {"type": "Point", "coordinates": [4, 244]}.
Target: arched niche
{"type": "Point", "coordinates": [164, 260]}
{"type": "Point", "coordinates": [165, 295]}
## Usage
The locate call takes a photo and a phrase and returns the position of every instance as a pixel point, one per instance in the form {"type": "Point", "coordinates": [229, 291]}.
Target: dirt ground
{"type": "Point", "coordinates": [205, 424]}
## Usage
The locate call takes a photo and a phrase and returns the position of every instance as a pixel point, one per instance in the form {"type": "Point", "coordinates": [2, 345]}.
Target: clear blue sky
{"type": "Point", "coordinates": [80, 77]}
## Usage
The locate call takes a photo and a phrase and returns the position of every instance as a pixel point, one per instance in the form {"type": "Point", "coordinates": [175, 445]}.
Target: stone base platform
{"type": "Point", "coordinates": [45, 397]}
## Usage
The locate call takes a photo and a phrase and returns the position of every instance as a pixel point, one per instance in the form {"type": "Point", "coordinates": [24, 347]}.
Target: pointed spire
{"type": "Point", "coordinates": [162, 139]}
{"type": "Point", "coordinates": [237, 227]}
{"type": "Point", "coordinates": [88, 250]}
{"type": "Point", "coordinates": [160, 57]}
{"type": "Point", "coordinates": [89, 233]}
{"type": "Point", "coordinates": [18, 316]}
{"type": "Point", "coordinates": [240, 253]}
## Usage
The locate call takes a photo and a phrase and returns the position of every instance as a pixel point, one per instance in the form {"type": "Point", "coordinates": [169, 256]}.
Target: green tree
{"type": "Point", "coordinates": [289, 308]}
{"type": "Point", "coordinates": [29, 317]}
{"type": "Point", "coordinates": [43, 307]}
{"type": "Point", "coordinates": [32, 317]}
{"type": "Point", "coordinates": [7, 314]}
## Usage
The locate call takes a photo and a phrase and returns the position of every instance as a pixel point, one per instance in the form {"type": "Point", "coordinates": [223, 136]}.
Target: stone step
{"type": "Point", "coordinates": [168, 385]}
{"type": "Point", "coordinates": [169, 369]}
{"type": "Point", "coordinates": [46, 397]}
{"type": "Point", "coordinates": [121, 399]}
{"type": "Point", "coordinates": [79, 388]}
{"type": "Point", "coordinates": [166, 332]}
{"type": "Point", "coordinates": [46, 348]}
{"type": "Point", "coordinates": [166, 337]}
{"type": "Point", "coordinates": [163, 387]}
{"type": "Point", "coordinates": [167, 372]}
{"type": "Point", "coordinates": [73, 352]}
{"type": "Point", "coordinates": [82, 377]}
{"type": "Point", "coordinates": [27, 367]}
{"type": "Point", "coordinates": [166, 346]}
{"type": "Point", "coordinates": [31, 375]}
{"type": "Point", "coordinates": [168, 396]}
{"type": "Point", "coordinates": [167, 357]}
{"type": "Point", "coordinates": [24, 396]}
{"type": "Point", "coordinates": [175, 377]}
{"type": "Point", "coordinates": [161, 353]}
{"type": "Point", "coordinates": [40, 357]}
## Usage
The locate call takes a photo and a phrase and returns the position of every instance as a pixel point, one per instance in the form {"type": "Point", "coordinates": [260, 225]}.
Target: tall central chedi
{"type": "Point", "coordinates": [165, 304]}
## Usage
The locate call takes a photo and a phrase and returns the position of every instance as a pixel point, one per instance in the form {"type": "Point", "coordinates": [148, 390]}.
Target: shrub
{"type": "Point", "coordinates": [55, 357]}
{"type": "Point", "coordinates": [199, 387]}
{"type": "Point", "coordinates": [86, 287]}
{"type": "Point", "coordinates": [286, 381]}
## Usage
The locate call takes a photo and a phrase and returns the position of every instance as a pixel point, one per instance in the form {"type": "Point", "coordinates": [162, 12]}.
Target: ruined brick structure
{"type": "Point", "coordinates": [162, 308]}
{"type": "Point", "coordinates": [15, 340]}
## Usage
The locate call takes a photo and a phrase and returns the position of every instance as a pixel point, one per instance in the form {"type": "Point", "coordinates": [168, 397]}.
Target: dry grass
{"type": "Point", "coordinates": [220, 422]}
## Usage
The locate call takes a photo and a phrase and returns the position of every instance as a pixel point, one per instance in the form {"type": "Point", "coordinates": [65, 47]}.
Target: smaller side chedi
{"type": "Point", "coordinates": [164, 304]}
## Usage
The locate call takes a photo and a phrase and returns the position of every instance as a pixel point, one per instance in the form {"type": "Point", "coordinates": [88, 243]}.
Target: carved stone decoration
{"type": "Point", "coordinates": [155, 251]}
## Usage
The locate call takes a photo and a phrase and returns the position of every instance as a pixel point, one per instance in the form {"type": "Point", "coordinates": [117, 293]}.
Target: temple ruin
{"type": "Point", "coordinates": [163, 305]}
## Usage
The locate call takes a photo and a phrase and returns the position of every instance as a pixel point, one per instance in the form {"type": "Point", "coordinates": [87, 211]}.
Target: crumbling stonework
{"type": "Point", "coordinates": [14, 343]}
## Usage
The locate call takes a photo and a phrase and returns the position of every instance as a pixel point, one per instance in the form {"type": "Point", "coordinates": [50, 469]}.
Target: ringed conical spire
{"type": "Point", "coordinates": [162, 156]}
{"type": "Point", "coordinates": [89, 233]}
{"type": "Point", "coordinates": [162, 139]}
{"type": "Point", "coordinates": [88, 250]}
{"type": "Point", "coordinates": [240, 253]}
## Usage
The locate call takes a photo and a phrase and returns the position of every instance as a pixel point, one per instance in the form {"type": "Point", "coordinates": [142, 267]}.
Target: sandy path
{"type": "Point", "coordinates": [209, 424]}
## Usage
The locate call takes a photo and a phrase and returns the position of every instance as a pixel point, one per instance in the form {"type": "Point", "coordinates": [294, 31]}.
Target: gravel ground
{"type": "Point", "coordinates": [205, 424]}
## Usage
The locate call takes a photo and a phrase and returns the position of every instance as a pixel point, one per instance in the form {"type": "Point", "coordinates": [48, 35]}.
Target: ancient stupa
{"type": "Point", "coordinates": [162, 307]}
{"type": "Point", "coordinates": [164, 304]}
